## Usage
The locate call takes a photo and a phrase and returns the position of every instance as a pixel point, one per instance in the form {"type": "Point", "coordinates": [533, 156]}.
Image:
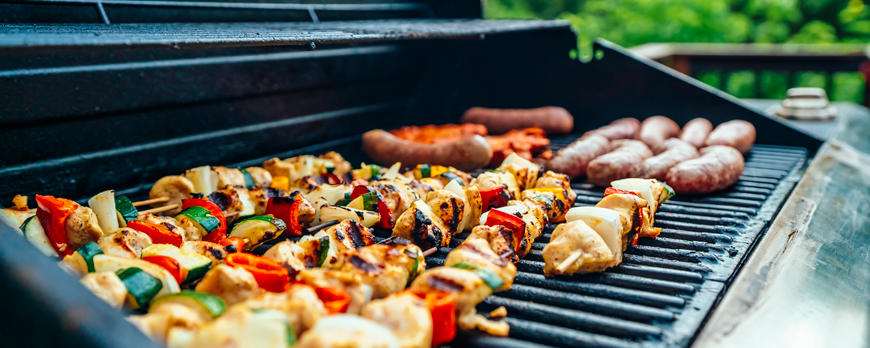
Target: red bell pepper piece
{"type": "Point", "coordinates": [386, 214]}
{"type": "Point", "coordinates": [331, 179]}
{"type": "Point", "coordinates": [495, 197]}
{"type": "Point", "coordinates": [170, 264]}
{"type": "Point", "coordinates": [52, 215]}
{"type": "Point", "coordinates": [610, 190]}
{"type": "Point", "coordinates": [513, 223]}
{"type": "Point", "coordinates": [159, 234]}
{"type": "Point", "coordinates": [442, 306]}
{"type": "Point", "coordinates": [270, 275]}
{"type": "Point", "coordinates": [236, 242]}
{"type": "Point", "coordinates": [334, 299]}
{"type": "Point", "coordinates": [286, 209]}
{"type": "Point", "coordinates": [219, 233]}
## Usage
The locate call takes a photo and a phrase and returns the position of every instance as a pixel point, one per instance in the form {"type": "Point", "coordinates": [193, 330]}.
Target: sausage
{"type": "Point", "coordinates": [655, 130]}
{"type": "Point", "coordinates": [670, 153]}
{"type": "Point", "coordinates": [467, 154]}
{"type": "Point", "coordinates": [573, 159]}
{"type": "Point", "coordinates": [617, 164]}
{"type": "Point", "coordinates": [623, 128]}
{"type": "Point", "coordinates": [552, 119]}
{"type": "Point", "coordinates": [695, 132]}
{"type": "Point", "coordinates": [738, 134]}
{"type": "Point", "coordinates": [717, 168]}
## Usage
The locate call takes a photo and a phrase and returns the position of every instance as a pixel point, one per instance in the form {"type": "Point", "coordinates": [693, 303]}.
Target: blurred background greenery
{"type": "Point", "coordinates": [634, 22]}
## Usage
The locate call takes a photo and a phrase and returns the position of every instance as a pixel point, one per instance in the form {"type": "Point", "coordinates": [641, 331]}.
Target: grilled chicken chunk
{"type": "Point", "coordinates": [606, 222]}
{"type": "Point", "coordinates": [350, 235]}
{"type": "Point", "coordinates": [233, 285]}
{"type": "Point", "coordinates": [555, 180]}
{"type": "Point", "coordinates": [533, 216]}
{"type": "Point", "coordinates": [420, 188]}
{"type": "Point", "coordinates": [396, 199]}
{"type": "Point", "coordinates": [500, 239]}
{"type": "Point", "coordinates": [124, 242]}
{"type": "Point", "coordinates": [576, 238]}
{"type": "Point", "coordinates": [175, 187]}
{"type": "Point", "coordinates": [296, 256]}
{"type": "Point", "coordinates": [306, 183]}
{"type": "Point", "coordinates": [629, 208]}
{"type": "Point", "coordinates": [107, 286]}
{"type": "Point", "coordinates": [228, 177]}
{"type": "Point", "coordinates": [553, 205]}
{"type": "Point", "coordinates": [473, 208]}
{"type": "Point", "coordinates": [386, 268]}
{"type": "Point", "coordinates": [422, 226]}
{"type": "Point", "coordinates": [299, 303]}
{"type": "Point", "coordinates": [216, 252]}
{"type": "Point", "coordinates": [469, 290]}
{"type": "Point", "coordinates": [82, 228]}
{"type": "Point", "coordinates": [186, 229]}
{"type": "Point", "coordinates": [489, 180]}
{"type": "Point", "coordinates": [406, 315]}
{"type": "Point", "coordinates": [448, 207]}
{"type": "Point", "coordinates": [476, 251]}
{"type": "Point", "coordinates": [260, 176]}
{"type": "Point", "coordinates": [525, 176]}
{"type": "Point", "coordinates": [352, 283]}
{"type": "Point", "coordinates": [159, 320]}
{"type": "Point", "coordinates": [340, 165]}
{"type": "Point", "coordinates": [348, 331]}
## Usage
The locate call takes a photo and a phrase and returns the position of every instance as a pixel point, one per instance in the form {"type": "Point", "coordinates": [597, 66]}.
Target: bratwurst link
{"type": "Point", "coordinates": [467, 154]}
{"type": "Point", "coordinates": [670, 153]}
{"type": "Point", "coordinates": [695, 132]}
{"type": "Point", "coordinates": [623, 128]}
{"type": "Point", "coordinates": [717, 168]}
{"type": "Point", "coordinates": [617, 164]}
{"type": "Point", "coordinates": [655, 130]}
{"type": "Point", "coordinates": [738, 134]}
{"type": "Point", "coordinates": [573, 159]}
{"type": "Point", "coordinates": [552, 119]}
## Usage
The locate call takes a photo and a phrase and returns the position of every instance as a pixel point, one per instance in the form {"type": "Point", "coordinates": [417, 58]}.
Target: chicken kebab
{"type": "Point", "coordinates": [593, 238]}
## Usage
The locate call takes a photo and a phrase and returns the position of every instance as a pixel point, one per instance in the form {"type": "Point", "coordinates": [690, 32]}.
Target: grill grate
{"type": "Point", "coordinates": [665, 287]}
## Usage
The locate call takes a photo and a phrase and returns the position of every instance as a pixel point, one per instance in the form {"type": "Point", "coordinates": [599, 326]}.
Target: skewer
{"type": "Point", "coordinates": [314, 229]}
{"type": "Point", "coordinates": [232, 214]}
{"type": "Point", "coordinates": [151, 201]}
{"type": "Point", "coordinates": [569, 261]}
{"type": "Point", "coordinates": [429, 252]}
{"type": "Point", "coordinates": [159, 209]}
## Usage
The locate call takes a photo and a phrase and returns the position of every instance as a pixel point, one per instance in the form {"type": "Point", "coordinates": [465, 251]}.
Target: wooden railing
{"type": "Point", "coordinates": [694, 59]}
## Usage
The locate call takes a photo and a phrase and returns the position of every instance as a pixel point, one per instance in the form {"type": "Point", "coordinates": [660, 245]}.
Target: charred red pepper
{"type": "Point", "coordinates": [219, 233]}
{"type": "Point", "coordinates": [513, 223]}
{"type": "Point", "coordinates": [331, 179]}
{"type": "Point", "coordinates": [170, 264]}
{"type": "Point", "coordinates": [610, 190]}
{"type": "Point", "coordinates": [334, 299]}
{"type": "Point", "coordinates": [236, 242]}
{"type": "Point", "coordinates": [286, 209]}
{"type": "Point", "coordinates": [159, 234]}
{"type": "Point", "coordinates": [495, 197]}
{"type": "Point", "coordinates": [52, 215]}
{"type": "Point", "coordinates": [386, 220]}
{"type": "Point", "coordinates": [270, 275]}
{"type": "Point", "coordinates": [442, 306]}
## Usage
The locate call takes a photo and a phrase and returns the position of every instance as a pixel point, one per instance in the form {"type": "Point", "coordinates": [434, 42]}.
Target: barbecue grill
{"type": "Point", "coordinates": [91, 106]}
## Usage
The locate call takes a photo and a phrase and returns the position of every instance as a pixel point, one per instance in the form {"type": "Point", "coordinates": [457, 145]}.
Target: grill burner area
{"type": "Point", "coordinates": [665, 287]}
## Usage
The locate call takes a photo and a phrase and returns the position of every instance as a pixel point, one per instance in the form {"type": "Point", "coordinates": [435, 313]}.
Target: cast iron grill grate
{"type": "Point", "coordinates": [665, 287]}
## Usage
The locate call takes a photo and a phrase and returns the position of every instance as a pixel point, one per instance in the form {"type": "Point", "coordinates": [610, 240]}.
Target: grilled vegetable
{"type": "Point", "coordinates": [158, 233]}
{"type": "Point", "coordinates": [332, 213]}
{"type": "Point", "coordinates": [217, 234]}
{"type": "Point", "coordinates": [170, 265]}
{"type": "Point", "coordinates": [52, 214]}
{"type": "Point", "coordinates": [125, 211]}
{"type": "Point", "coordinates": [209, 305]}
{"type": "Point", "coordinates": [249, 180]}
{"type": "Point", "coordinates": [107, 263]}
{"type": "Point", "coordinates": [201, 218]}
{"type": "Point", "coordinates": [204, 180]}
{"type": "Point", "coordinates": [141, 286]}
{"type": "Point", "coordinates": [512, 222]}
{"type": "Point", "coordinates": [270, 275]}
{"type": "Point", "coordinates": [367, 198]}
{"type": "Point", "coordinates": [34, 233]}
{"type": "Point", "coordinates": [103, 205]}
{"type": "Point", "coordinates": [87, 252]}
{"type": "Point", "coordinates": [195, 264]}
{"type": "Point", "coordinates": [287, 210]}
{"type": "Point", "coordinates": [491, 279]}
{"type": "Point", "coordinates": [258, 229]}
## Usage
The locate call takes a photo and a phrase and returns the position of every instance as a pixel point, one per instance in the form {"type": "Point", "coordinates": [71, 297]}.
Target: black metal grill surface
{"type": "Point", "coordinates": [665, 287]}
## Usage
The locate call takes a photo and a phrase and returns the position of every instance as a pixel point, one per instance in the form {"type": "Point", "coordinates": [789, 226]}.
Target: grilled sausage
{"type": "Point", "coordinates": [617, 164]}
{"type": "Point", "coordinates": [717, 168]}
{"type": "Point", "coordinates": [574, 158]}
{"type": "Point", "coordinates": [552, 119]}
{"type": "Point", "coordinates": [623, 128]}
{"type": "Point", "coordinates": [467, 154]}
{"type": "Point", "coordinates": [695, 132]}
{"type": "Point", "coordinates": [655, 130]}
{"type": "Point", "coordinates": [670, 153]}
{"type": "Point", "coordinates": [738, 134]}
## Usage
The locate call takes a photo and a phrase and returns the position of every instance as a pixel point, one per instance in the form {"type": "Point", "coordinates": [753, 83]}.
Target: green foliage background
{"type": "Point", "coordinates": [634, 22]}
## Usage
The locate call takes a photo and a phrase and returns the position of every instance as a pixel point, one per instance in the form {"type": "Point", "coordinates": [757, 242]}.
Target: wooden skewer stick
{"type": "Point", "coordinates": [159, 209]}
{"type": "Point", "coordinates": [429, 252]}
{"type": "Point", "coordinates": [232, 214]}
{"type": "Point", "coordinates": [151, 201]}
{"type": "Point", "coordinates": [569, 261]}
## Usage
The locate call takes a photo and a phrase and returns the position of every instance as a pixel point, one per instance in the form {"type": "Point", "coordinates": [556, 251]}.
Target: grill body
{"type": "Point", "coordinates": [89, 107]}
